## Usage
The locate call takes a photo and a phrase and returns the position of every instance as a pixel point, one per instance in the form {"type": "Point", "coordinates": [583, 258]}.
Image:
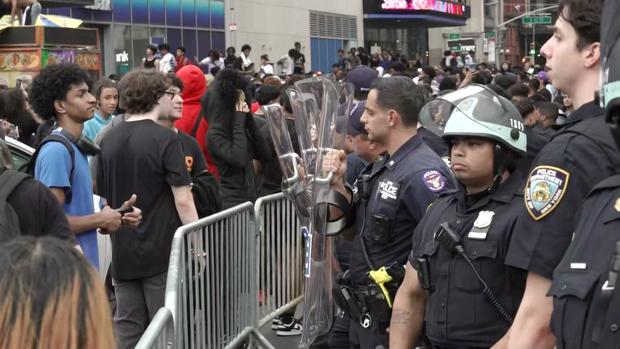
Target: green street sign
{"type": "Point", "coordinates": [454, 36]}
{"type": "Point", "coordinates": [536, 20]}
{"type": "Point", "coordinates": [490, 34]}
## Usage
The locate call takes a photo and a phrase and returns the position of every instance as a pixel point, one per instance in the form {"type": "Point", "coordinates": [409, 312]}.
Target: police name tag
{"type": "Point", "coordinates": [481, 225]}
{"type": "Point", "coordinates": [389, 190]}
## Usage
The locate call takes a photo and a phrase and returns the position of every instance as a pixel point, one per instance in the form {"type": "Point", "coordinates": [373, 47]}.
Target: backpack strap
{"type": "Point", "coordinates": [197, 124]}
{"type": "Point", "coordinates": [54, 137]}
{"type": "Point", "coordinates": [10, 180]}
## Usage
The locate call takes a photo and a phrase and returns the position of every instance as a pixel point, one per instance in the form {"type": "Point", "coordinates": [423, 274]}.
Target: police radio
{"type": "Point", "coordinates": [451, 241]}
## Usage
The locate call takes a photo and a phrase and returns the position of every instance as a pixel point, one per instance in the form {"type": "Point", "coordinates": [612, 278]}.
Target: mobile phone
{"type": "Point", "coordinates": [124, 210]}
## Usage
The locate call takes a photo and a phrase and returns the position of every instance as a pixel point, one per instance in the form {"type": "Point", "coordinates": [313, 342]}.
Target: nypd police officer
{"type": "Point", "coordinates": [580, 155]}
{"type": "Point", "coordinates": [585, 288]}
{"type": "Point", "coordinates": [456, 279]}
{"type": "Point", "coordinates": [391, 197]}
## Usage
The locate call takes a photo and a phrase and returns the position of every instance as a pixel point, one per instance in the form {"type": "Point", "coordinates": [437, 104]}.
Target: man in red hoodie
{"type": "Point", "coordinates": [195, 86]}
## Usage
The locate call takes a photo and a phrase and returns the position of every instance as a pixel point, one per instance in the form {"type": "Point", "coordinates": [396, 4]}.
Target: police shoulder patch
{"type": "Point", "coordinates": [434, 181]}
{"type": "Point", "coordinates": [544, 190]}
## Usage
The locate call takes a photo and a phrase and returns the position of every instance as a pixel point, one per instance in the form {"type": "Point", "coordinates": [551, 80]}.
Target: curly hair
{"type": "Point", "coordinates": [140, 90]}
{"type": "Point", "coordinates": [52, 84]}
{"type": "Point", "coordinates": [227, 82]}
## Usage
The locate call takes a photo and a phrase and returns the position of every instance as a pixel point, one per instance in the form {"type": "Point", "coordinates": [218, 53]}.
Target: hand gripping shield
{"type": "Point", "coordinates": [320, 107]}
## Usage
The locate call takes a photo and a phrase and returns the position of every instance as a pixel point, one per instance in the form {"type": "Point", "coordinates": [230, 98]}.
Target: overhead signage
{"type": "Point", "coordinates": [450, 8]}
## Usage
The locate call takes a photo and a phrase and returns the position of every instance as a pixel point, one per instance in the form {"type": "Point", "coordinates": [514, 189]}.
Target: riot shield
{"type": "Point", "coordinates": [319, 106]}
{"type": "Point", "coordinates": [293, 171]}
{"type": "Point", "coordinates": [322, 103]}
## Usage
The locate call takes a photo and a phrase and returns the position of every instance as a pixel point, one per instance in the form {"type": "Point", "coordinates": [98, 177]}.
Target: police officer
{"type": "Point", "coordinates": [580, 155]}
{"type": "Point", "coordinates": [392, 195]}
{"type": "Point", "coordinates": [586, 299]}
{"type": "Point", "coordinates": [456, 278]}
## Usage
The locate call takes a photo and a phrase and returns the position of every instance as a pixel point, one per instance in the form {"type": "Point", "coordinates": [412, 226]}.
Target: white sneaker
{"type": "Point", "coordinates": [294, 329]}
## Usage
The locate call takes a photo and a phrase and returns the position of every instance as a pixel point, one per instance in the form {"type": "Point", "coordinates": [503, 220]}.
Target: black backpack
{"type": "Point", "coordinates": [52, 137]}
{"type": "Point", "coordinates": [205, 188]}
{"type": "Point", "coordinates": [9, 221]}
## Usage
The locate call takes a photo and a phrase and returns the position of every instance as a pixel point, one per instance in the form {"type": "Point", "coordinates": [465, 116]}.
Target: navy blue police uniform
{"type": "Point", "coordinates": [580, 155]}
{"type": "Point", "coordinates": [583, 298]}
{"type": "Point", "coordinates": [400, 188]}
{"type": "Point", "coordinates": [485, 223]}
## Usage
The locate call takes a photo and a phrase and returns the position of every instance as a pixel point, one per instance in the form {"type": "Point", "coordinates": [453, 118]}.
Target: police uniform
{"type": "Point", "coordinates": [579, 156]}
{"type": "Point", "coordinates": [458, 312]}
{"type": "Point", "coordinates": [582, 311]}
{"type": "Point", "coordinates": [400, 188]}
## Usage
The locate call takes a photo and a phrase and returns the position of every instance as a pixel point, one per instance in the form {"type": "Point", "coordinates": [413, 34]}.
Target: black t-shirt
{"type": "Point", "coordinates": [194, 159]}
{"type": "Point", "coordinates": [270, 181]}
{"type": "Point", "coordinates": [38, 211]}
{"type": "Point", "coordinates": [144, 158]}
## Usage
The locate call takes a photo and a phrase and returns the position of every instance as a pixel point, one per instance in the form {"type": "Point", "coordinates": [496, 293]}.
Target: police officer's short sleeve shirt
{"type": "Point", "coordinates": [403, 186]}
{"type": "Point", "coordinates": [577, 158]}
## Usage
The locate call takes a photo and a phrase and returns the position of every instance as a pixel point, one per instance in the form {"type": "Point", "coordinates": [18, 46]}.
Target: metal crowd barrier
{"type": "Point", "coordinates": [160, 333]}
{"type": "Point", "coordinates": [280, 257]}
{"type": "Point", "coordinates": [226, 278]}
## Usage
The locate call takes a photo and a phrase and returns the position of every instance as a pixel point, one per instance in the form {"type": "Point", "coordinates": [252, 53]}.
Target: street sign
{"type": "Point", "coordinates": [536, 20]}
{"type": "Point", "coordinates": [490, 35]}
{"type": "Point", "coordinates": [454, 36]}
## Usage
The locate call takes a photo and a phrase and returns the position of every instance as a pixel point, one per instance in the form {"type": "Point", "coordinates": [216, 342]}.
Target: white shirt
{"type": "Point", "coordinates": [288, 65]}
{"type": "Point", "coordinates": [167, 63]}
{"type": "Point", "coordinates": [266, 69]}
{"type": "Point", "coordinates": [210, 64]}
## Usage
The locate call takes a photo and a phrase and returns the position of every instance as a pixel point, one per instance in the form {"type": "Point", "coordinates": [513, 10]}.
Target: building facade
{"type": "Point", "coordinates": [127, 27]}
{"type": "Point", "coordinates": [405, 25]}
{"type": "Point", "coordinates": [271, 27]}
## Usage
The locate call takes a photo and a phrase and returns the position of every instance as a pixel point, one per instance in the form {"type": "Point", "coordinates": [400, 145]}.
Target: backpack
{"type": "Point", "coordinates": [205, 188]}
{"type": "Point", "coordinates": [9, 221]}
{"type": "Point", "coordinates": [52, 137]}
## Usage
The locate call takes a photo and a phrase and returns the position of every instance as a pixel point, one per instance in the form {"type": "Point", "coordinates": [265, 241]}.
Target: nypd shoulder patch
{"type": "Point", "coordinates": [434, 181]}
{"type": "Point", "coordinates": [544, 190]}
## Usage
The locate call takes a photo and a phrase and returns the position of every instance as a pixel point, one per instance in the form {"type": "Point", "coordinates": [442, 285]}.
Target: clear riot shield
{"type": "Point", "coordinates": [293, 171]}
{"type": "Point", "coordinates": [319, 133]}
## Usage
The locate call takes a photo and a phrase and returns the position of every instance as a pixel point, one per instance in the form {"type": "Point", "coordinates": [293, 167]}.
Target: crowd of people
{"type": "Point", "coordinates": [466, 182]}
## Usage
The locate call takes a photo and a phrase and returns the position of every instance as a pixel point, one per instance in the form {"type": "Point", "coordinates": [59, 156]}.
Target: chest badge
{"type": "Point", "coordinates": [484, 219]}
{"type": "Point", "coordinates": [617, 205]}
{"type": "Point", "coordinates": [481, 225]}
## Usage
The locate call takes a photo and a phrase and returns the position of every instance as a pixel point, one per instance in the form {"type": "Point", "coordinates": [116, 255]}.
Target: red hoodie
{"type": "Point", "coordinates": [194, 87]}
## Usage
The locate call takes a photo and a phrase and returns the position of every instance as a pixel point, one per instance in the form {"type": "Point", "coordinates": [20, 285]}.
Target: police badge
{"type": "Point", "coordinates": [544, 190]}
{"type": "Point", "coordinates": [481, 225]}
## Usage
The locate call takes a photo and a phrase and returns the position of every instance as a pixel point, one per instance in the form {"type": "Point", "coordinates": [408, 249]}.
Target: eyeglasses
{"type": "Point", "coordinates": [173, 94]}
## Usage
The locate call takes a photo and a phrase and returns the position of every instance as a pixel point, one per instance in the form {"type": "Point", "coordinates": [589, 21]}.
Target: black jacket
{"type": "Point", "coordinates": [234, 141]}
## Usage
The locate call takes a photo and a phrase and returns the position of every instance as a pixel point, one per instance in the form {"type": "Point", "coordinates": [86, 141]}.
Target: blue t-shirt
{"type": "Point", "coordinates": [52, 168]}
{"type": "Point", "coordinates": [93, 126]}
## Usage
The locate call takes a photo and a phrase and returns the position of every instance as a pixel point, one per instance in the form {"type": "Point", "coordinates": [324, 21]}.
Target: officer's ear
{"type": "Point", "coordinates": [591, 54]}
{"type": "Point", "coordinates": [392, 116]}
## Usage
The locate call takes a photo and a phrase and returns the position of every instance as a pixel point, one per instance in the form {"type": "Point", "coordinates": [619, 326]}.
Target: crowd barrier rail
{"type": "Point", "coordinates": [230, 274]}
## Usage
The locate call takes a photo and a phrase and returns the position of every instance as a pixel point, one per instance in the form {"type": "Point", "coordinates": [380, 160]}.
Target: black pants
{"type": "Point", "coordinates": [374, 337]}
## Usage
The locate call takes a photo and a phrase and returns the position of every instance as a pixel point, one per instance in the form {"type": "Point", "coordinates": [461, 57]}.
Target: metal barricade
{"type": "Point", "coordinates": [212, 293]}
{"type": "Point", "coordinates": [226, 278]}
{"type": "Point", "coordinates": [160, 333]}
{"type": "Point", "coordinates": [280, 257]}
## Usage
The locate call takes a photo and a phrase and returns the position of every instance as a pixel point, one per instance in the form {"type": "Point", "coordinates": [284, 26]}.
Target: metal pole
{"type": "Point", "coordinates": [532, 59]}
